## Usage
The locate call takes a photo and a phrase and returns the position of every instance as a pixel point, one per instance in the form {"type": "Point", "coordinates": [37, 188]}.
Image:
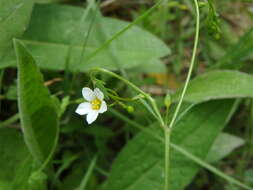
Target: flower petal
{"type": "Point", "coordinates": [103, 107]}
{"type": "Point", "coordinates": [88, 94]}
{"type": "Point", "coordinates": [98, 93]}
{"type": "Point", "coordinates": [83, 108]}
{"type": "Point", "coordinates": [92, 116]}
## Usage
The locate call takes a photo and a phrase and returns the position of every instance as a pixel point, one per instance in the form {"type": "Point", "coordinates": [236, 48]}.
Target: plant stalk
{"type": "Point", "coordinates": [182, 151]}
{"type": "Point", "coordinates": [167, 131]}
{"type": "Point", "coordinates": [167, 157]}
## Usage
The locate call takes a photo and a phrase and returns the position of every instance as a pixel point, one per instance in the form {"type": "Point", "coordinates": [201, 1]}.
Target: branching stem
{"type": "Point", "coordinates": [167, 131]}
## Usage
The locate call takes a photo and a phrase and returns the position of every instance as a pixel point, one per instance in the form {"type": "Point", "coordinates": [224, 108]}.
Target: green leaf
{"type": "Point", "coordinates": [223, 146]}
{"type": "Point", "coordinates": [14, 17]}
{"type": "Point", "coordinates": [39, 120]}
{"type": "Point", "coordinates": [15, 161]}
{"type": "Point", "coordinates": [139, 166]}
{"type": "Point", "coordinates": [218, 85]}
{"type": "Point", "coordinates": [54, 29]}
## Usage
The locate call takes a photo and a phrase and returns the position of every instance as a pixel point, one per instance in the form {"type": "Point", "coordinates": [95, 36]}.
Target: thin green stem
{"type": "Point", "coordinates": [9, 121]}
{"type": "Point", "coordinates": [209, 167]}
{"type": "Point", "coordinates": [167, 157]}
{"type": "Point", "coordinates": [191, 66]}
{"type": "Point", "coordinates": [107, 43]}
{"type": "Point", "coordinates": [181, 150]}
{"type": "Point", "coordinates": [164, 9]}
{"type": "Point", "coordinates": [87, 175]}
{"type": "Point", "coordinates": [102, 171]}
{"type": "Point", "coordinates": [85, 42]}
{"type": "Point", "coordinates": [89, 30]}
{"type": "Point", "coordinates": [167, 134]}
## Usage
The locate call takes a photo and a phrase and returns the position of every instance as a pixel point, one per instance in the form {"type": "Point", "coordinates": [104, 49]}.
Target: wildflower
{"type": "Point", "coordinates": [94, 105]}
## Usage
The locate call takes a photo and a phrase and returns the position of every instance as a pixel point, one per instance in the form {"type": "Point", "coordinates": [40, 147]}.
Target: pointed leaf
{"type": "Point", "coordinates": [140, 164]}
{"type": "Point", "coordinates": [224, 144]}
{"type": "Point", "coordinates": [218, 85]}
{"type": "Point", "coordinates": [37, 110]}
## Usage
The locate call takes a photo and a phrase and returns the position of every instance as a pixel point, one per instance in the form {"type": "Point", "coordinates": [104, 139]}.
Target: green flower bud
{"type": "Point", "coordinates": [167, 100]}
{"type": "Point", "coordinates": [130, 109]}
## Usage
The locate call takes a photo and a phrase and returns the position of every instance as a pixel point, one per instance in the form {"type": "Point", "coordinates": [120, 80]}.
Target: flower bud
{"type": "Point", "coordinates": [130, 109]}
{"type": "Point", "coordinates": [167, 100]}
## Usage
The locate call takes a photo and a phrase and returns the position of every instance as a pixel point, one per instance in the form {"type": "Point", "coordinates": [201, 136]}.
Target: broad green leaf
{"type": "Point", "coordinates": [39, 120]}
{"type": "Point", "coordinates": [14, 17]}
{"type": "Point", "coordinates": [223, 146]}
{"type": "Point", "coordinates": [54, 28]}
{"type": "Point", "coordinates": [218, 85]}
{"type": "Point", "coordinates": [15, 161]}
{"type": "Point", "coordinates": [139, 166]}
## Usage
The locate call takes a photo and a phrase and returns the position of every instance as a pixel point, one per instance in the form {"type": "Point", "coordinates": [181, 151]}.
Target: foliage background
{"type": "Point", "coordinates": [57, 42]}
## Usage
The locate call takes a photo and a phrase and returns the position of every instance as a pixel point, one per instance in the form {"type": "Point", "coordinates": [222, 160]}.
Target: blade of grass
{"type": "Point", "coordinates": [66, 164]}
{"type": "Point", "coordinates": [85, 42]}
{"type": "Point", "coordinates": [164, 9]}
{"type": "Point", "coordinates": [87, 175]}
{"type": "Point", "coordinates": [9, 121]}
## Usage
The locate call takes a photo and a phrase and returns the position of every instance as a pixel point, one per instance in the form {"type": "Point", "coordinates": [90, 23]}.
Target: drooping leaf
{"type": "Point", "coordinates": [53, 29]}
{"type": "Point", "coordinates": [218, 85]}
{"type": "Point", "coordinates": [39, 120]}
{"type": "Point", "coordinates": [140, 165]}
{"type": "Point", "coordinates": [14, 17]}
{"type": "Point", "coordinates": [223, 145]}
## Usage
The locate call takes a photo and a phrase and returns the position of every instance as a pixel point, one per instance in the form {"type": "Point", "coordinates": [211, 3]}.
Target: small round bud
{"type": "Point", "coordinates": [130, 109]}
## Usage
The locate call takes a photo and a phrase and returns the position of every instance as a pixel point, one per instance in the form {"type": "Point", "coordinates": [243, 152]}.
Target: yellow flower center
{"type": "Point", "coordinates": [95, 104]}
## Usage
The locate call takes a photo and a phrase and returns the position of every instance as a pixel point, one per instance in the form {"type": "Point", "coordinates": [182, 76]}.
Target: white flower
{"type": "Point", "coordinates": [94, 106]}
